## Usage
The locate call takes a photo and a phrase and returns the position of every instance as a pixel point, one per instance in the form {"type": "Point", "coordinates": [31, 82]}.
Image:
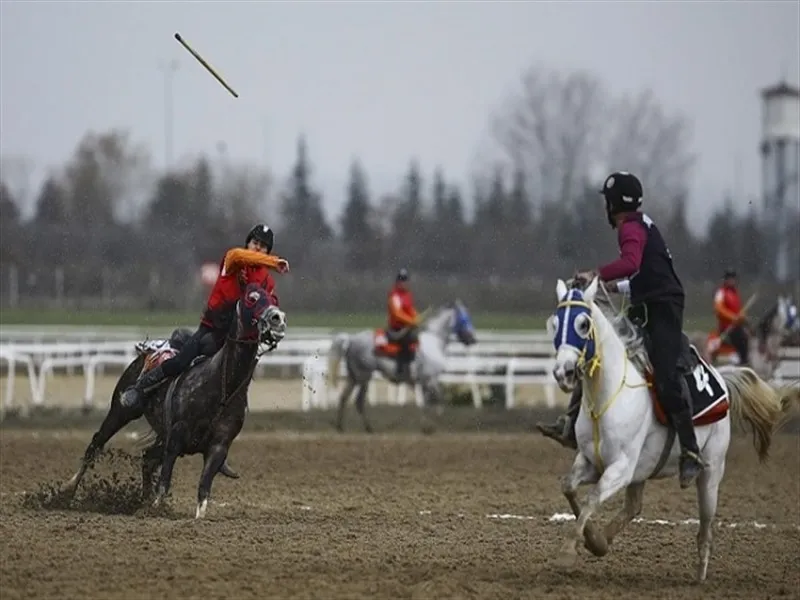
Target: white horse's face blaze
{"type": "Point", "coordinates": [571, 329]}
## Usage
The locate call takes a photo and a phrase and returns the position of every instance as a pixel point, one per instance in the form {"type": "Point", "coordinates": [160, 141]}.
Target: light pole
{"type": "Point", "coordinates": [169, 70]}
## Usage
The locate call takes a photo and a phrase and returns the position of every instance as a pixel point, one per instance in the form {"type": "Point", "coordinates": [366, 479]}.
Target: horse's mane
{"type": "Point", "coordinates": [629, 334]}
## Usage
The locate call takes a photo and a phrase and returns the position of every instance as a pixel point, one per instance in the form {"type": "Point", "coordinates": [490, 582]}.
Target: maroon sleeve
{"type": "Point", "coordinates": [632, 239]}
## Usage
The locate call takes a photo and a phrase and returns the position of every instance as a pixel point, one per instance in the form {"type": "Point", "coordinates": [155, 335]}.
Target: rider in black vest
{"type": "Point", "coordinates": [657, 298]}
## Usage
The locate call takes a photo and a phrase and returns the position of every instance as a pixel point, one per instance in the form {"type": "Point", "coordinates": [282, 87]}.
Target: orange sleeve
{"type": "Point", "coordinates": [237, 258]}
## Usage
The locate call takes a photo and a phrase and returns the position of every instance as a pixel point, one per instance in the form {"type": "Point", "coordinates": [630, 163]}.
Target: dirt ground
{"type": "Point", "coordinates": [393, 515]}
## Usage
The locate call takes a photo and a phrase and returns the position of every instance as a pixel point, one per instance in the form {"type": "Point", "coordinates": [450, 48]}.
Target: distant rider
{"type": "Point", "coordinates": [730, 319]}
{"type": "Point", "coordinates": [238, 268]}
{"type": "Point", "coordinates": [657, 294]}
{"type": "Point", "coordinates": [403, 322]}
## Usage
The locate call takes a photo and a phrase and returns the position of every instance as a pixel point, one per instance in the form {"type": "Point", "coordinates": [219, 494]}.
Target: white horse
{"type": "Point", "coordinates": [621, 439]}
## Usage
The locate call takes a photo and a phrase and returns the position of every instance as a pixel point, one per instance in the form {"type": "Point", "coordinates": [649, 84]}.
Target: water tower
{"type": "Point", "coordinates": [780, 152]}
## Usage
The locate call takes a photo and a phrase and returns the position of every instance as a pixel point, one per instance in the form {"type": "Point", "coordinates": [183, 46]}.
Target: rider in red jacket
{"type": "Point", "coordinates": [403, 321]}
{"type": "Point", "coordinates": [728, 309]}
{"type": "Point", "coordinates": [239, 267]}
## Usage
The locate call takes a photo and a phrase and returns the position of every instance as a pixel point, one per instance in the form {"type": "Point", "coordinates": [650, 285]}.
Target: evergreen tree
{"type": "Point", "coordinates": [52, 206]}
{"type": "Point", "coordinates": [408, 224]}
{"type": "Point", "coordinates": [9, 211]}
{"type": "Point", "coordinates": [304, 223]}
{"type": "Point", "coordinates": [358, 233]}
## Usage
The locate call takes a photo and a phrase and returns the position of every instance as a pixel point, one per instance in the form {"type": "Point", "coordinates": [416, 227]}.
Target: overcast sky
{"type": "Point", "coordinates": [381, 81]}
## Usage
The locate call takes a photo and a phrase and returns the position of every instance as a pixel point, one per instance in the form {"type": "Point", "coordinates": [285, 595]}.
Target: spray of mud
{"type": "Point", "coordinates": [111, 486]}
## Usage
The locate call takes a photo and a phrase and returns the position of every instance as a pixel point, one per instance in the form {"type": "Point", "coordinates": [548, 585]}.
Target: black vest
{"type": "Point", "coordinates": [656, 279]}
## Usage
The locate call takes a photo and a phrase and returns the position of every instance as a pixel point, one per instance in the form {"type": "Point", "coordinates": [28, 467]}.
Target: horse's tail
{"type": "Point", "coordinates": [756, 403]}
{"type": "Point", "coordinates": [335, 354]}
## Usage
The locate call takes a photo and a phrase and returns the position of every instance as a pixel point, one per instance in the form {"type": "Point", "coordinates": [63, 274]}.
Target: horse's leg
{"type": "Point", "coordinates": [171, 452]}
{"type": "Point", "coordinates": [115, 420]}
{"type": "Point", "coordinates": [151, 458]}
{"type": "Point", "coordinates": [584, 472]}
{"type": "Point", "coordinates": [631, 509]}
{"type": "Point", "coordinates": [361, 405]}
{"type": "Point", "coordinates": [214, 457]}
{"type": "Point", "coordinates": [432, 403]}
{"type": "Point", "coordinates": [707, 493]}
{"type": "Point", "coordinates": [343, 398]}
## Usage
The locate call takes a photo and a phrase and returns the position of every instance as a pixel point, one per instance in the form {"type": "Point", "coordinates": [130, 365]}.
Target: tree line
{"type": "Point", "coordinates": [533, 213]}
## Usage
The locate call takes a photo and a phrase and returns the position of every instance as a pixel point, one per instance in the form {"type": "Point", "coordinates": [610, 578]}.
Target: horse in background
{"type": "Point", "coordinates": [202, 410]}
{"type": "Point", "coordinates": [624, 438]}
{"type": "Point", "coordinates": [771, 330]}
{"type": "Point", "coordinates": [368, 351]}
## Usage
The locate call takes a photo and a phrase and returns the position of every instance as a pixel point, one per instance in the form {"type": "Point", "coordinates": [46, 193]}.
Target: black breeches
{"type": "Point", "coordinates": [404, 338]}
{"type": "Point", "coordinates": [664, 329]}
{"type": "Point", "coordinates": [738, 339]}
{"type": "Point", "coordinates": [204, 341]}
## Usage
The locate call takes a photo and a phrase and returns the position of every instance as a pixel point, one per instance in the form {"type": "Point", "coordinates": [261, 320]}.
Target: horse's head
{"type": "Point", "coordinates": [258, 319]}
{"type": "Point", "coordinates": [574, 333]}
{"type": "Point", "coordinates": [462, 324]}
{"type": "Point", "coordinates": [787, 318]}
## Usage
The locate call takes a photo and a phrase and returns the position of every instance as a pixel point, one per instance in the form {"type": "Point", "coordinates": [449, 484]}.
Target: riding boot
{"type": "Point", "coordinates": [691, 464]}
{"type": "Point", "coordinates": [401, 365]}
{"type": "Point", "coordinates": [563, 430]}
{"type": "Point", "coordinates": [134, 395]}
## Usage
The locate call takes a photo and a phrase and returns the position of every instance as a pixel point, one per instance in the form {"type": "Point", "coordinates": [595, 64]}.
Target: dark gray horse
{"type": "Point", "coordinates": [200, 411]}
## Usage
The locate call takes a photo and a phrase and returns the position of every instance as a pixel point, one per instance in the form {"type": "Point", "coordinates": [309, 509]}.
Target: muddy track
{"type": "Point", "coordinates": [398, 515]}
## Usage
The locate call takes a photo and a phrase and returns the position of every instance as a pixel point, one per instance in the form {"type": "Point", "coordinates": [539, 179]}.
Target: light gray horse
{"type": "Point", "coordinates": [362, 358]}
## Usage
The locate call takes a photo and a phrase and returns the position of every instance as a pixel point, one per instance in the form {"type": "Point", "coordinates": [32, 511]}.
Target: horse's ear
{"type": "Point", "coordinates": [561, 290]}
{"type": "Point", "coordinates": [591, 291]}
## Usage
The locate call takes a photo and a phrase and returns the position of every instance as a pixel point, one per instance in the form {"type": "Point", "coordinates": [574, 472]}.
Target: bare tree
{"type": "Point", "coordinates": [558, 127]}
{"type": "Point", "coordinates": [104, 176]}
{"type": "Point", "coordinates": [548, 131]}
{"type": "Point", "coordinates": [644, 139]}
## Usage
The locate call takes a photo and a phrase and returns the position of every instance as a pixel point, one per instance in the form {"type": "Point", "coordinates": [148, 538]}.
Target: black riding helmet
{"type": "Point", "coordinates": [623, 193]}
{"type": "Point", "coordinates": [402, 275]}
{"type": "Point", "coordinates": [730, 273]}
{"type": "Point", "coordinates": [263, 234]}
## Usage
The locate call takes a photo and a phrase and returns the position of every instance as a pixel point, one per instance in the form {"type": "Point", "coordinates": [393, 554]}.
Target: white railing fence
{"type": "Point", "coordinates": [507, 359]}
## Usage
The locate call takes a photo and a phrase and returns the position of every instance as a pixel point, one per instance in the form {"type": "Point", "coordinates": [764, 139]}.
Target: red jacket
{"type": "Point", "coordinates": [401, 308]}
{"type": "Point", "coordinates": [727, 306]}
{"type": "Point", "coordinates": [238, 268]}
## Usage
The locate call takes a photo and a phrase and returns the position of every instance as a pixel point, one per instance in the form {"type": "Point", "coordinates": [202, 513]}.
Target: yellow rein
{"type": "Point", "coordinates": [591, 369]}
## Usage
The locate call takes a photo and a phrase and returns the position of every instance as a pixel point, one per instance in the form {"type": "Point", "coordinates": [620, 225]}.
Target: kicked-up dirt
{"type": "Point", "coordinates": [394, 515]}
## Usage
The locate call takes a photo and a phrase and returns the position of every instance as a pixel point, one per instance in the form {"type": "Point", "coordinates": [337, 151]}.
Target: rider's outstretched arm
{"type": "Point", "coordinates": [238, 258]}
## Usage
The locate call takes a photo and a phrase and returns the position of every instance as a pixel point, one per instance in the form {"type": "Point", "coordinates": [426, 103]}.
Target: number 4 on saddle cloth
{"type": "Point", "coordinates": [708, 392]}
{"type": "Point", "coordinates": [386, 345]}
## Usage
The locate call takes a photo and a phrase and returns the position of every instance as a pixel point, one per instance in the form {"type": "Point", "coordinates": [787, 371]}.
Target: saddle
{"type": "Point", "coordinates": [387, 343]}
{"type": "Point", "coordinates": [158, 351]}
{"type": "Point", "coordinates": [707, 391]}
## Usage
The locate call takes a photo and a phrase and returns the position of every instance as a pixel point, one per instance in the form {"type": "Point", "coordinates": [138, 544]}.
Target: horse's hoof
{"type": "Point", "coordinates": [568, 556]}
{"type": "Point", "coordinates": [595, 542]}
{"type": "Point", "coordinates": [597, 547]}
{"type": "Point", "coordinates": [201, 509]}
{"type": "Point", "coordinates": [226, 470]}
